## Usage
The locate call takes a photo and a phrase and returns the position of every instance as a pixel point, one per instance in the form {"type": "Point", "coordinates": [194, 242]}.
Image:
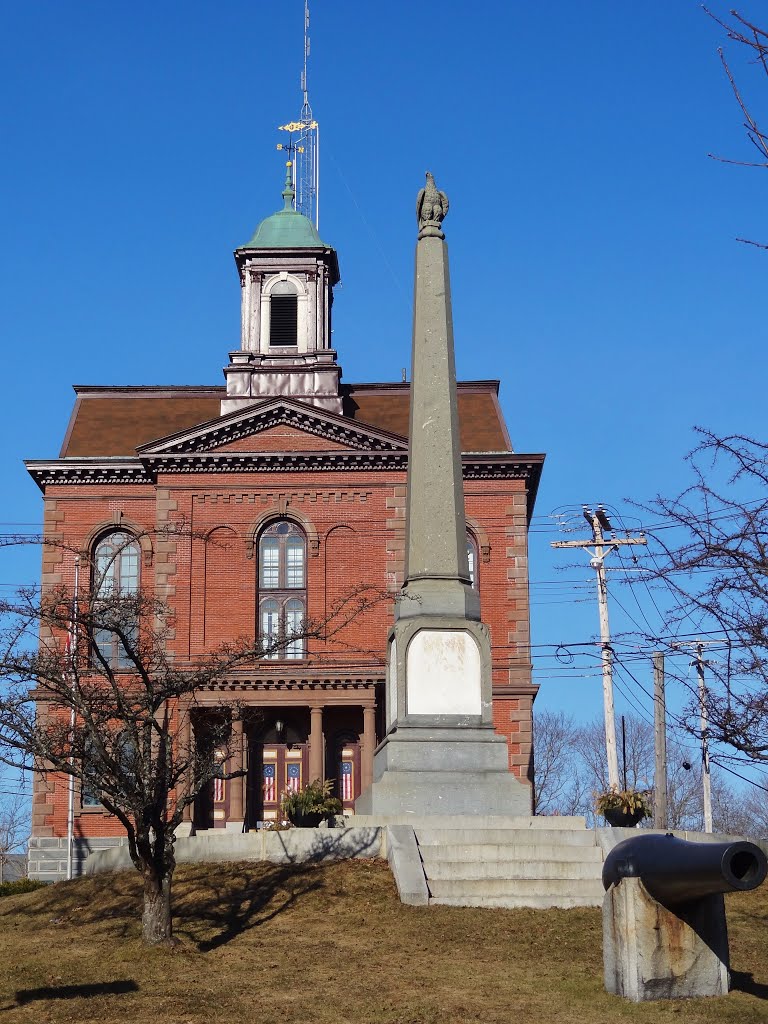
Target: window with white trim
{"type": "Point", "coordinates": [472, 559]}
{"type": "Point", "coordinates": [282, 590]}
{"type": "Point", "coordinates": [115, 575]}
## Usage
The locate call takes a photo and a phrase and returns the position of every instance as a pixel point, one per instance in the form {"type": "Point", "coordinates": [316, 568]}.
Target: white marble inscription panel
{"type": "Point", "coordinates": [443, 673]}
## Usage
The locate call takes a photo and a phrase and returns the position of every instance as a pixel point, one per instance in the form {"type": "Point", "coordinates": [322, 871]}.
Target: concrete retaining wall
{"type": "Point", "coordinates": [48, 857]}
{"type": "Point", "coordinates": [294, 846]}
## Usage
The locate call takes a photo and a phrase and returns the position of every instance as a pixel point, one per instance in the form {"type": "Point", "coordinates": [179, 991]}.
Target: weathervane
{"type": "Point", "coordinates": [306, 166]}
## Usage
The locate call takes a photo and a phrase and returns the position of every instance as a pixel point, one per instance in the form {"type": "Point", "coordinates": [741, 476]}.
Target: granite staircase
{"type": "Point", "coordinates": [528, 863]}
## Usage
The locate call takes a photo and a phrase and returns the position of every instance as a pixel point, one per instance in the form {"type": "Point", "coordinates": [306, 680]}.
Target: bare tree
{"type": "Point", "coordinates": [557, 788]}
{"type": "Point", "coordinates": [102, 699]}
{"type": "Point", "coordinates": [575, 769]}
{"type": "Point", "coordinates": [755, 40]}
{"type": "Point", "coordinates": [710, 548]}
{"type": "Point", "coordinates": [14, 830]}
{"type": "Point", "coordinates": [756, 811]}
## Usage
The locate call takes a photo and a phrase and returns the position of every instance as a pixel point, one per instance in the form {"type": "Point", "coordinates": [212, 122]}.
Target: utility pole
{"type": "Point", "coordinates": [706, 779]}
{"type": "Point", "coordinates": [601, 548]}
{"type": "Point", "coordinates": [659, 743]}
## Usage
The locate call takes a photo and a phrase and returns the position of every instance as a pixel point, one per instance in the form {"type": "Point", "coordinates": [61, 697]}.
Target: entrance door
{"type": "Point", "coordinates": [282, 768]}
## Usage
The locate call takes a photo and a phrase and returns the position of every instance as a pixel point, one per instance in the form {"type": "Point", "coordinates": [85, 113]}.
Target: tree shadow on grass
{"type": "Point", "coordinates": [217, 907]}
{"type": "Point", "coordinates": [744, 981]}
{"type": "Point", "coordinates": [99, 988]}
{"type": "Point", "coordinates": [235, 905]}
{"type": "Point", "coordinates": [108, 901]}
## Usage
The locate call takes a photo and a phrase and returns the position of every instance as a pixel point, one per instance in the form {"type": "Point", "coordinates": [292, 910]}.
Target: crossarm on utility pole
{"type": "Point", "coordinates": [601, 548]}
{"type": "Point", "coordinates": [613, 543]}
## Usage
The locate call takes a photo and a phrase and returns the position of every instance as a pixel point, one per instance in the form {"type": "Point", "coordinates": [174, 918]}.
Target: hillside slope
{"type": "Point", "coordinates": [331, 945]}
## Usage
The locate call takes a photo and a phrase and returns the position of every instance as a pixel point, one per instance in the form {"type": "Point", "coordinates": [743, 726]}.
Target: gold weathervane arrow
{"type": "Point", "coordinates": [296, 126]}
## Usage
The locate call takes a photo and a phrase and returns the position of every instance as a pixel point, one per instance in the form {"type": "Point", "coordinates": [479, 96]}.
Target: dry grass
{"type": "Point", "coordinates": [262, 944]}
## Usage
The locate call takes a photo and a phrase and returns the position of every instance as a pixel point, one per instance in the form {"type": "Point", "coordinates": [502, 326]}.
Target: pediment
{"type": "Point", "coordinates": [283, 438]}
{"type": "Point", "coordinates": [276, 425]}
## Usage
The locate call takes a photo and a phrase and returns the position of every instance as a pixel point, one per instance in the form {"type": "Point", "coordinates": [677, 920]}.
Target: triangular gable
{"type": "Point", "coordinates": [313, 430]}
{"type": "Point", "coordinates": [283, 438]}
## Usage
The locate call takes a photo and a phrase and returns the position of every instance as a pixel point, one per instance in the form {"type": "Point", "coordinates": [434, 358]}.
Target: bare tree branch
{"type": "Point", "coordinates": [102, 698]}
{"type": "Point", "coordinates": [742, 31]}
{"type": "Point", "coordinates": [710, 549]}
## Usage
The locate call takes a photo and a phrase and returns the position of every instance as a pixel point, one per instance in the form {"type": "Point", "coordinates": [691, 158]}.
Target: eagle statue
{"type": "Point", "coordinates": [431, 207]}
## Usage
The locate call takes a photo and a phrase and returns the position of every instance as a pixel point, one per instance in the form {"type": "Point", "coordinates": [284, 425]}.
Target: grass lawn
{"type": "Point", "coordinates": [263, 944]}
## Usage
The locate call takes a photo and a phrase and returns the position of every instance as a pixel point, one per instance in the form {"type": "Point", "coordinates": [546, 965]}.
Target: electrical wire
{"type": "Point", "coordinates": [738, 775]}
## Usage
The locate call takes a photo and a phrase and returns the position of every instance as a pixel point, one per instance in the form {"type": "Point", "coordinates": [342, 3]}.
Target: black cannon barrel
{"type": "Point", "coordinates": [676, 871]}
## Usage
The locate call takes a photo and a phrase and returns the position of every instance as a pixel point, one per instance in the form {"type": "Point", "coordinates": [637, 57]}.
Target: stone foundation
{"type": "Point", "coordinates": [48, 856]}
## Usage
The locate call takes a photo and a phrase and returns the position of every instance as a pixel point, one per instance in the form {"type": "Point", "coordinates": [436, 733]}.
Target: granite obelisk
{"type": "Point", "coordinates": [440, 754]}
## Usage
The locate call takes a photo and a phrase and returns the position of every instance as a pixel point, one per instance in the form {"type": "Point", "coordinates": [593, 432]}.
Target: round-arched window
{"type": "Point", "coordinates": [282, 590]}
{"type": "Point", "coordinates": [115, 580]}
{"type": "Point", "coordinates": [472, 559]}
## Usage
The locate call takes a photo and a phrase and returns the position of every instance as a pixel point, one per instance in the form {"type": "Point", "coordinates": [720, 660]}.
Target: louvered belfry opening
{"type": "Point", "coordinates": [283, 320]}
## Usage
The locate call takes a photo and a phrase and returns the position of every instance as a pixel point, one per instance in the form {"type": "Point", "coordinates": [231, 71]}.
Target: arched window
{"type": "Point", "coordinates": [282, 590]}
{"type": "Point", "coordinates": [283, 316]}
{"type": "Point", "coordinates": [115, 576]}
{"type": "Point", "coordinates": [472, 559]}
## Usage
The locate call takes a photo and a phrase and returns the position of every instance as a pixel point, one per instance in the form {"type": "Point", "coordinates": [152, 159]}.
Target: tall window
{"type": "Point", "coordinates": [283, 316]}
{"type": "Point", "coordinates": [472, 559]}
{"type": "Point", "coordinates": [116, 575]}
{"type": "Point", "coordinates": [282, 590]}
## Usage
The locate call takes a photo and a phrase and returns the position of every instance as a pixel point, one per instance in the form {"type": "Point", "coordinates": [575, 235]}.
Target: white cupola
{"type": "Point", "coordinates": [287, 274]}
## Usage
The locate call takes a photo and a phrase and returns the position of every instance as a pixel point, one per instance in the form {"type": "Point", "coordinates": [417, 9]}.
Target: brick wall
{"type": "Point", "coordinates": [355, 525]}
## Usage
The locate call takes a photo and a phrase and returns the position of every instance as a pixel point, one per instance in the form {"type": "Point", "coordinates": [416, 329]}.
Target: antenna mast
{"type": "Point", "coordinates": [306, 145]}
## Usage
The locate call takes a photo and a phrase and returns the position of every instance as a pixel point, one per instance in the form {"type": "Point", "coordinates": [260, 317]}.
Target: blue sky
{"type": "Point", "coordinates": [594, 264]}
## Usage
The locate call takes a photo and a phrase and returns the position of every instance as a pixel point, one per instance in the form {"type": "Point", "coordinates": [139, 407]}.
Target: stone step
{"type": "Point", "coordinates": [504, 852]}
{"type": "Point", "coordinates": [475, 870]}
{"type": "Point", "coordinates": [473, 822]}
{"type": "Point", "coordinates": [499, 888]}
{"type": "Point", "coordinates": [518, 902]}
{"type": "Point", "coordinates": [429, 836]}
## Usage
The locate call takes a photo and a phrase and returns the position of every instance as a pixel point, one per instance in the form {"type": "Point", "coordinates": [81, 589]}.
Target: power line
{"type": "Point", "coordinates": [739, 776]}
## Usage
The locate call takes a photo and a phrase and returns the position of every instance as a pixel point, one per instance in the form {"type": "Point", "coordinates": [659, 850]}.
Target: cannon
{"type": "Point", "coordinates": [674, 871]}
{"type": "Point", "coordinates": [664, 927]}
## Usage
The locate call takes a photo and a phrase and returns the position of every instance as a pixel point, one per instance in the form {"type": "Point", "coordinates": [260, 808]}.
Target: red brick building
{"type": "Point", "coordinates": [292, 484]}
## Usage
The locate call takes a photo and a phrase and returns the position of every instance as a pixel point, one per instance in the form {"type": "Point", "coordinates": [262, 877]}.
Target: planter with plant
{"type": "Point", "coordinates": [623, 807]}
{"type": "Point", "coordinates": [307, 807]}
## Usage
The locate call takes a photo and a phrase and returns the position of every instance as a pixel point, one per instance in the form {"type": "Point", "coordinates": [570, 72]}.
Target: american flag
{"type": "Point", "coordinates": [270, 789]}
{"type": "Point", "coordinates": [218, 791]}
{"type": "Point", "coordinates": [346, 780]}
{"type": "Point", "coordinates": [293, 781]}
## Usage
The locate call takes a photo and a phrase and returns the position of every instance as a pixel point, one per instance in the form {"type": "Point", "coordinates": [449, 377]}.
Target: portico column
{"type": "Point", "coordinates": [316, 744]}
{"type": "Point", "coordinates": [369, 742]}
{"type": "Point", "coordinates": [236, 785]}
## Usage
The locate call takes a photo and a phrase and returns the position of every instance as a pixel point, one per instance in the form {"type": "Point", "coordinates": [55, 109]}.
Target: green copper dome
{"type": "Point", "coordinates": [286, 229]}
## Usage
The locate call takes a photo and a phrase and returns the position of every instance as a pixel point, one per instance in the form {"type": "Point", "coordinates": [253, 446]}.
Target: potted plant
{"type": "Point", "coordinates": [622, 807]}
{"type": "Point", "coordinates": [307, 807]}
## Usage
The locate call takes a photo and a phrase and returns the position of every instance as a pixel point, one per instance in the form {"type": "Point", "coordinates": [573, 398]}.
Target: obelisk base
{"type": "Point", "coordinates": [423, 771]}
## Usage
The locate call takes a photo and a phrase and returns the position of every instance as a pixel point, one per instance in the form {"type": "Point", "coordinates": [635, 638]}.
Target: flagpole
{"type": "Point", "coordinates": [73, 666]}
